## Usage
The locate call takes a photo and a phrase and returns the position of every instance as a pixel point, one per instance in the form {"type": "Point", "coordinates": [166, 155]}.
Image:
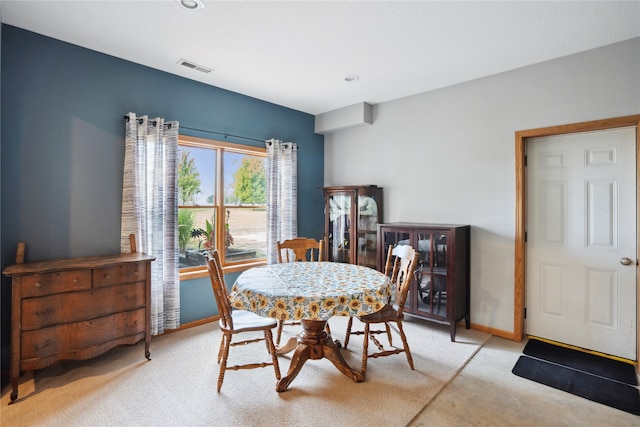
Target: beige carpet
{"type": "Point", "coordinates": [178, 386]}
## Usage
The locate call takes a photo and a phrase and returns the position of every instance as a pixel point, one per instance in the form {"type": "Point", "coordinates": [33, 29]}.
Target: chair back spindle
{"type": "Point", "coordinates": [405, 265]}
{"type": "Point", "coordinates": [20, 253]}
{"type": "Point", "coordinates": [132, 243]}
{"type": "Point", "coordinates": [220, 291]}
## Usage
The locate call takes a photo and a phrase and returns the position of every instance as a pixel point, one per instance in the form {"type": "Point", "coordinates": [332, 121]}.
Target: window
{"type": "Point", "coordinates": [221, 204]}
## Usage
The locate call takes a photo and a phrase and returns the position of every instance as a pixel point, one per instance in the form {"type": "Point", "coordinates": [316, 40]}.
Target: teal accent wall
{"type": "Point", "coordinates": [62, 146]}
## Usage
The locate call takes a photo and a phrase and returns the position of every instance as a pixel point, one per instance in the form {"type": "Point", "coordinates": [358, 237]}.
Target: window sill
{"type": "Point", "coordinates": [194, 274]}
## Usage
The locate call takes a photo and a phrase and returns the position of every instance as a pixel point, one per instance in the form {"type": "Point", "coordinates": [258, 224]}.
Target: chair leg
{"type": "Point", "coordinates": [405, 345]}
{"type": "Point", "coordinates": [348, 334]}
{"type": "Point", "coordinates": [365, 350]}
{"type": "Point", "coordinates": [386, 325]}
{"type": "Point", "coordinates": [225, 354]}
{"type": "Point", "coordinates": [220, 351]}
{"type": "Point", "coordinates": [272, 350]}
{"type": "Point", "coordinates": [279, 332]}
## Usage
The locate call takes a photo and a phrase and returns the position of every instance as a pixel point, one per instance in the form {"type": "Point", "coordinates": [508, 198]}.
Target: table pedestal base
{"type": "Point", "coordinates": [314, 343]}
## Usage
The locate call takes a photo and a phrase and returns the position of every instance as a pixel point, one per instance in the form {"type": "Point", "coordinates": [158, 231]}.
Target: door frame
{"type": "Point", "coordinates": [521, 138]}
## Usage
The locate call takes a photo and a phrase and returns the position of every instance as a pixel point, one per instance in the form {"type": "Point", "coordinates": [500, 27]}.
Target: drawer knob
{"type": "Point", "coordinates": [76, 281]}
{"type": "Point", "coordinates": [137, 273]}
{"type": "Point", "coordinates": [38, 284]}
{"type": "Point", "coordinates": [107, 276]}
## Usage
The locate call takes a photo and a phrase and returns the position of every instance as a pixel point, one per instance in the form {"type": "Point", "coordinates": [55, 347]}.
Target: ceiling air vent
{"type": "Point", "coordinates": [194, 66]}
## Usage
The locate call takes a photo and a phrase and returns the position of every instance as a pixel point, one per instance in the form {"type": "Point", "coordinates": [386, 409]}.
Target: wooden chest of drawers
{"type": "Point", "coordinates": [77, 308]}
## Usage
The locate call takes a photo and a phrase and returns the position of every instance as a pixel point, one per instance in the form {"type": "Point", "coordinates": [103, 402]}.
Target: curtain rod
{"type": "Point", "coordinates": [225, 134]}
{"type": "Point", "coordinates": [214, 132]}
{"type": "Point", "coordinates": [235, 136]}
{"type": "Point", "coordinates": [210, 131]}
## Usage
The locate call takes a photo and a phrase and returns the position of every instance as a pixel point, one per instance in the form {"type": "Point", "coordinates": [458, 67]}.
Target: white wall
{"type": "Point", "coordinates": [448, 155]}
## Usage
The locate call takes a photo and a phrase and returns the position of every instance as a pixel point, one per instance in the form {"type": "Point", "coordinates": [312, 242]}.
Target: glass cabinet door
{"type": "Point", "coordinates": [339, 236]}
{"type": "Point", "coordinates": [393, 238]}
{"type": "Point", "coordinates": [431, 277]}
{"type": "Point", "coordinates": [352, 214]}
{"type": "Point", "coordinates": [367, 231]}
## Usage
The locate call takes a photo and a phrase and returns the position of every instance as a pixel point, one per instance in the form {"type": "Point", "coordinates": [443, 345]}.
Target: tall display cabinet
{"type": "Point", "coordinates": [440, 291]}
{"type": "Point", "coordinates": [352, 214]}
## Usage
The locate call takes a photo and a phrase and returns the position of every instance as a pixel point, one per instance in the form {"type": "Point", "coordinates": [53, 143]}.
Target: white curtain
{"type": "Point", "coordinates": [150, 210]}
{"type": "Point", "coordinates": [282, 194]}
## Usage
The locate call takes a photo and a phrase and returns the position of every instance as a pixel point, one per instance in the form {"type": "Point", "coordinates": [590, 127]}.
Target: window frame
{"type": "Point", "coordinates": [219, 207]}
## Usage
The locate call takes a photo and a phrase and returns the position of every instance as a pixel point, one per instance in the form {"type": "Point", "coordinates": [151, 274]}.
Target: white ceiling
{"type": "Point", "coordinates": [297, 53]}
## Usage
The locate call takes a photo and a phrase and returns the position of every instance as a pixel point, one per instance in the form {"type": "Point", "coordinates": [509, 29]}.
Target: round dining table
{"type": "Point", "coordinates": [311, 292]}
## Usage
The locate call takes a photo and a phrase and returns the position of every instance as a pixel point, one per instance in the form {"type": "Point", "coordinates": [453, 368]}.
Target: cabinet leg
{"type": "Point", "coordinates": [14, 389]}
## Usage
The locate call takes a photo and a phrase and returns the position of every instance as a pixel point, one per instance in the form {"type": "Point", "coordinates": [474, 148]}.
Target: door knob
{"type": "Point", "coordinates": [625, 261]}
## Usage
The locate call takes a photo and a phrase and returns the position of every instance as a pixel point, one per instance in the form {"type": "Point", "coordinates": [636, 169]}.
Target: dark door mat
{"type": "Point", "coordinates": [597, 389]}
{"type": "Point", "coordinates": [590, 363]}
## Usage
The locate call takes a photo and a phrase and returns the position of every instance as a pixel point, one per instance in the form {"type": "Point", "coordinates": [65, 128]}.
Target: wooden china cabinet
{"type": "Point", "coordinates": [440, 291]}
{"type": "Point", "coordinates": [352, 214]}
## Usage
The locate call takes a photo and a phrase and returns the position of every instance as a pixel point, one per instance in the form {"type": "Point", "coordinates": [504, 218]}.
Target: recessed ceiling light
{"type": "Point", "coordinates": [191, 4]}
{"type": "Point", "coordinates": [350, 78]}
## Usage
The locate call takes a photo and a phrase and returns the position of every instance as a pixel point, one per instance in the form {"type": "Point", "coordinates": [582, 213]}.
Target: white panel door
{"type": "Point", "coordinates": [581, 228]}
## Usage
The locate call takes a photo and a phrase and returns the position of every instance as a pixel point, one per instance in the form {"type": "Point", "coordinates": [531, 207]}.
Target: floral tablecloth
{"type": "Point", "coordinates": [310, 290]}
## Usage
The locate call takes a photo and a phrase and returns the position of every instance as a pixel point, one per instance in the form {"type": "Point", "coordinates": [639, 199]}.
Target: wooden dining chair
{"type": "Point", "coordinates": [401, 264]}
{"type": "Point", "coordinates": [299, 249]}
{"type": "Point", "coordinates": [233, 322]}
